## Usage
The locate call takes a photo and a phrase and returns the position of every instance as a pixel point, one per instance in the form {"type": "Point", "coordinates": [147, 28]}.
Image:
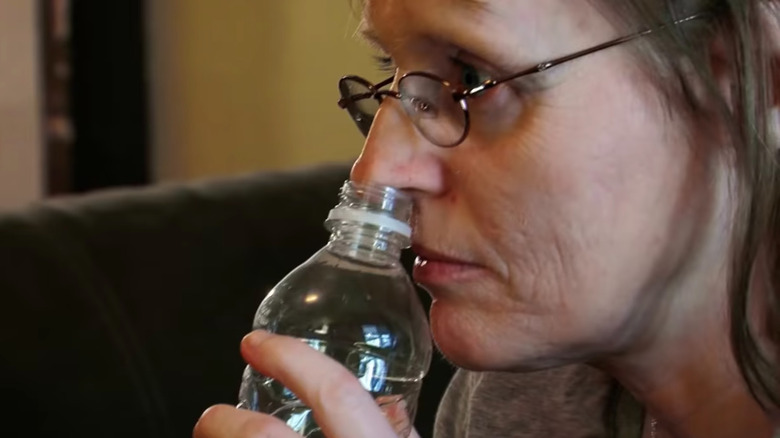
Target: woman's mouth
{"type": "Point", "coordinates": [435, 268]}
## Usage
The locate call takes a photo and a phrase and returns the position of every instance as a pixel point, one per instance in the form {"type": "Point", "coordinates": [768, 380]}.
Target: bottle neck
{"type": "Point", "coordinates": [366, 243]}
{"type": "Point", "coordinates": [370, 224]}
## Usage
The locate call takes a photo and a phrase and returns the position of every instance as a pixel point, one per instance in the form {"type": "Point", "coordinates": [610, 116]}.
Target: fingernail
{"type": "Point", "coordinates": [256, 337]}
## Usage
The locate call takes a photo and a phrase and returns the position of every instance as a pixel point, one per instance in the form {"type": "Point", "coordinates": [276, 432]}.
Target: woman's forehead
{"type": "Point", "coordinates": [531, 28]}
{"type": "Point", "coordinates": [525, 12]}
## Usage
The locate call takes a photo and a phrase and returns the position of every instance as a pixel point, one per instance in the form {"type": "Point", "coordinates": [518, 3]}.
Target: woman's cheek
{"type": "Point", "coordinates": [498, 111]}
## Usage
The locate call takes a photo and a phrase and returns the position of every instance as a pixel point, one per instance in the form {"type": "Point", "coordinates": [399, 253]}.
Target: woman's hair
{"type": "Point", "coordinates": [683, 55]}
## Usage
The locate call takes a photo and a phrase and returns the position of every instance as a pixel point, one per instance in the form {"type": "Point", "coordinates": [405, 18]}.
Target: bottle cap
{"type": "Point", "coordinates": [379, 220]}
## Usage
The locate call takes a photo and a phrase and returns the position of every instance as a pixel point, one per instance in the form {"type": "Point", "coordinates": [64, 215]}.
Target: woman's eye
{"type": "Point", "coordinates": [470, 76]}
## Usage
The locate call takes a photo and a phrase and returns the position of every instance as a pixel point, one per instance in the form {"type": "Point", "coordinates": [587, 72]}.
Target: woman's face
{"type": "Point", "coordinates": [549, 234]}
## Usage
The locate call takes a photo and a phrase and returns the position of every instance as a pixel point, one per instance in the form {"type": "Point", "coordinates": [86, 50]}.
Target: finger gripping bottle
{"type": "Point", "coordinates": [353, 301]}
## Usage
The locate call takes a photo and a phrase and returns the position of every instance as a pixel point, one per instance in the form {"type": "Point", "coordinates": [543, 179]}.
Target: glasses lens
{"type": "Point", "coordinates": [430, 105]}
{"type": "Point", "coordinates": [360, 102]}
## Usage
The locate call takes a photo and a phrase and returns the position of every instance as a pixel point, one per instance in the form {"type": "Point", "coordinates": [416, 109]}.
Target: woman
{"type": "Point", "coordinates": [609, 205]}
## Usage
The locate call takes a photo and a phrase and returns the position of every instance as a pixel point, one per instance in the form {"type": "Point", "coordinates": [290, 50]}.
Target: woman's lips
{"type": "Point", "coordinates": [433, 268]}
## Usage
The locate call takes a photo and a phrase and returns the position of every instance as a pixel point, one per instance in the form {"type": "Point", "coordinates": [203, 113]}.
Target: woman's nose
{"type": "Point", "coordinates": [397, 155]}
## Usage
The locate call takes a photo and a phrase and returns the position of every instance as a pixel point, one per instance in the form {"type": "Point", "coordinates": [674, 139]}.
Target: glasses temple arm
{"type": "Point", "coordinates": [558, 61]}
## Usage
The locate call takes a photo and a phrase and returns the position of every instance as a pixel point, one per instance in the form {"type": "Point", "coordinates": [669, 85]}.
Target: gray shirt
{"type": "Point", "coordinates": [566, 402]}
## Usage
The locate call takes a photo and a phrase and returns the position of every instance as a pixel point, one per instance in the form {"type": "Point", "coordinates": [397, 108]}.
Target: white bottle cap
{"type": "Point", "coordinates": [379, 220]}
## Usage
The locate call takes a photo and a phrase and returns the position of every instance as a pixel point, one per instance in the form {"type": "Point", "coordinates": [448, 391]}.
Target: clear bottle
{"type": "Point", "coordinates": [353, 301]}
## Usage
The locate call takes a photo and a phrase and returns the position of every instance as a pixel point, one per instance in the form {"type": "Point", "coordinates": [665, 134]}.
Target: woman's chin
{"type": "Point", "coordinates": [479, 341]}
{"type": "Point", "coordinates": [460, 357]}
{"type": "Point", "coordinates": [462, 338]}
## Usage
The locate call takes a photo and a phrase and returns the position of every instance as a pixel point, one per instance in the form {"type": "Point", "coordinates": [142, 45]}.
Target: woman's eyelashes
{"type": "Point", "coordinates": [384, 63]}
{"type": "Point", "coordinates": [461, 73]}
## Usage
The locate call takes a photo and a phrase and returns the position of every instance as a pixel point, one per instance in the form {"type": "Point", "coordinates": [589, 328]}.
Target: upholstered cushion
{"type": "Point", "coordinates": [122, 311]}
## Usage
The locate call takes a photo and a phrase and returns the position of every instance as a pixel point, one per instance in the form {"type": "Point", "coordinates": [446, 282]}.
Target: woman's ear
{"type": "Point", "coordinates": [721, 62]}
{"type": "Point", "coordinates": [770, 17]}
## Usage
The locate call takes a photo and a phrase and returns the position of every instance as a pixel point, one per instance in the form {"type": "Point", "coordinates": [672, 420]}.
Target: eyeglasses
{"type": "Point", "coordinates": [439, 109]}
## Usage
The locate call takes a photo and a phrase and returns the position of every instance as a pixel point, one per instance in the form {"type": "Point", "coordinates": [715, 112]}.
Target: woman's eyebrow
{"type": "Point", "coordinates": [368, 37]}
{"type": "Point", "coordinates": [473, 4]}
{"type": "Point", "coordinates": [366, 34]}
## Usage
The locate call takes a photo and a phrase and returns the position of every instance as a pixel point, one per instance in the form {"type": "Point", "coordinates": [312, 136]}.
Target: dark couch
{"type": "Point", "coordinates": [122, 311]}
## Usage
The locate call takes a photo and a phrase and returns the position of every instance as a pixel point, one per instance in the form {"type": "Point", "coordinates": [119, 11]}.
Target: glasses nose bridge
{"type": "Point", "coordinates": [380, 95]}
{"type": "Point", "coordinates": [394, 110]}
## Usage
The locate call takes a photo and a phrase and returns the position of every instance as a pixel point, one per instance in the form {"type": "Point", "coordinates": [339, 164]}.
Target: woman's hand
{"type": "Point", "coordinates": [342, 408]}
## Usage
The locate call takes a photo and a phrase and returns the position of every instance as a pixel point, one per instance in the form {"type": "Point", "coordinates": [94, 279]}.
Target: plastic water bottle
{"type": "Point", "coordinates": [353, 301]}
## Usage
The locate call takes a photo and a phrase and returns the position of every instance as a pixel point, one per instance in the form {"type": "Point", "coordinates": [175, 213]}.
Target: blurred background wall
{"type": "Point", "coordinates": [21, 168]}
{"type": "Point", "coordinates": [242, 85]}
{"type": "Point", "coordinates": [97, 94]}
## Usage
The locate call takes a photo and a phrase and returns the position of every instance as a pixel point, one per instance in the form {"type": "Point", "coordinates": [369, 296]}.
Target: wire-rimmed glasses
{"type": "Point", "coordinates": [438, 108]}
